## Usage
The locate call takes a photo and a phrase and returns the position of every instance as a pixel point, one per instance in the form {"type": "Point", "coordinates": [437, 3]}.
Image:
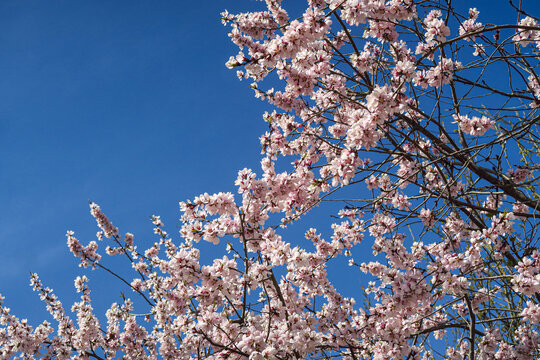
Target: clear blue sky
{"type": "Point", "coordinates": [126, 103]}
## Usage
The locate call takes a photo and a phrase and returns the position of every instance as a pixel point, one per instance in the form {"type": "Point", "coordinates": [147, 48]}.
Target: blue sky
{"type": "Point", "coordinates": [125, 103]}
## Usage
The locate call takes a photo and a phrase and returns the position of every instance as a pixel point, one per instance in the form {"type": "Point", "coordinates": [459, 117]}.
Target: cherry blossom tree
{"type": "Point", "coordinates": [421, 119]}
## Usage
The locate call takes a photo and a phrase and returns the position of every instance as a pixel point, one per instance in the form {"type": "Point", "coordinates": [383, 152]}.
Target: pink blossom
{"type": "Point", "coordinates": [474, 126]}
{"type": "Point", "coordinates": [435, 27]}
{"type": "Point", "coordinates": [525, 36]}
{"type": "Point", "coordinates": [103, 221]}
{"type": "Point", "coordinates": [470, 25]}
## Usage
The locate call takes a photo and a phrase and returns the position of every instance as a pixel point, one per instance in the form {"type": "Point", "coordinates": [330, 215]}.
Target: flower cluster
{"type": "Point", "coordinates": [474, 126]}
{"type": "Point", "coordinates": [525, 35]}
{"type": "Point", "coordinates": [470, 25]}
{"type": "Point", "coordinates": [436, 29]}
